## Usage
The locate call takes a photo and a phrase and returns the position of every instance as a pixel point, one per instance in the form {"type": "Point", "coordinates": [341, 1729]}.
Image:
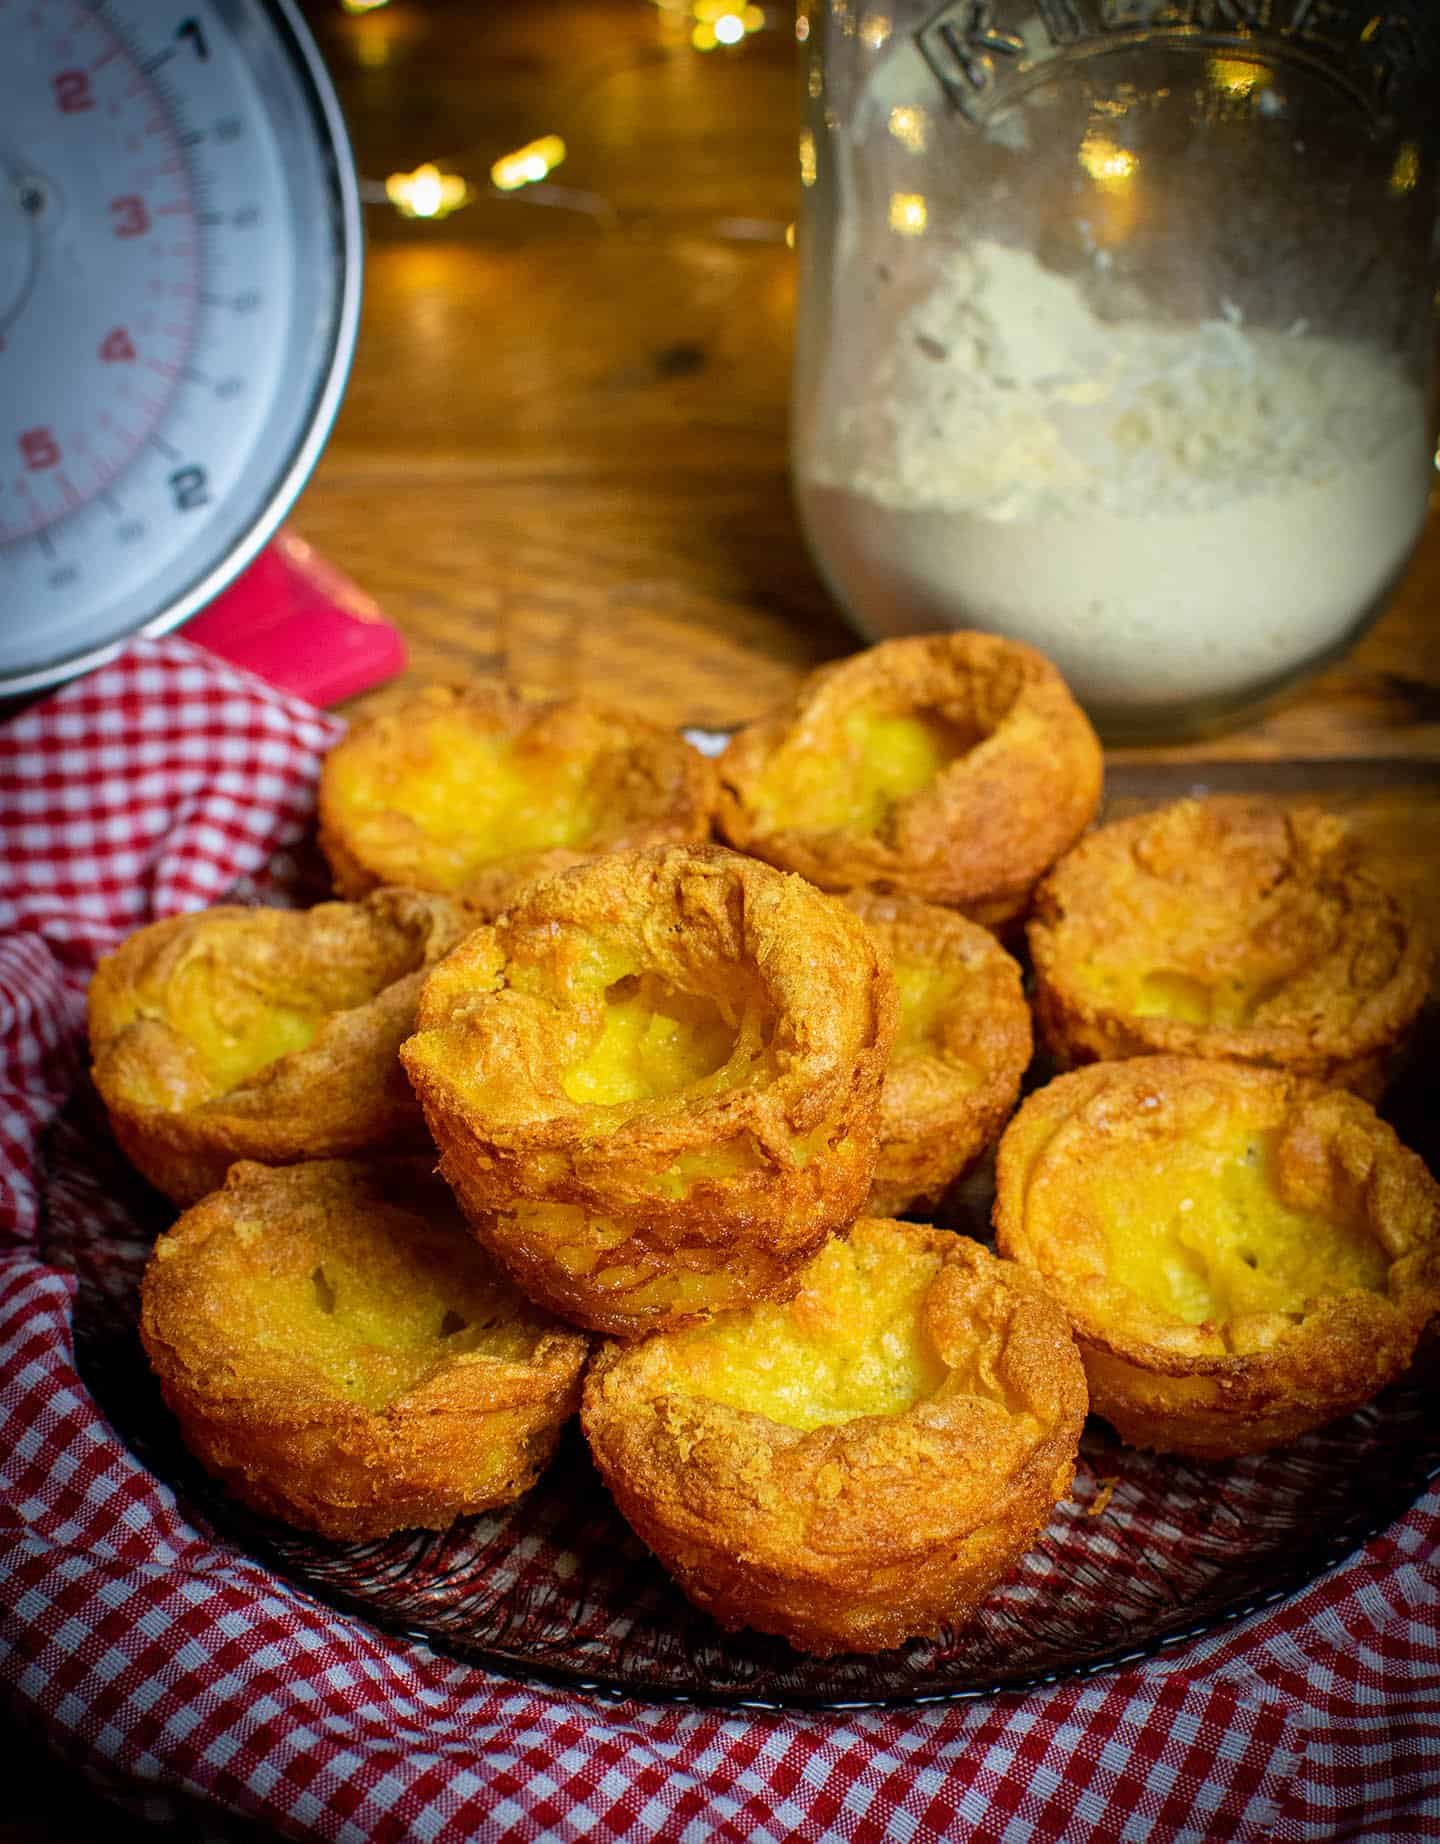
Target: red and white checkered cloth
{"type": "Point", "coordinates": [192, 1684]}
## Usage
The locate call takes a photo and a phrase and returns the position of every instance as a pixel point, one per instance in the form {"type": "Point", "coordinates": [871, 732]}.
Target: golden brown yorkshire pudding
{"type": "Point", "coordinates": [861, 1464]}
{"type": "Point", "coordinates": [477, 789]}
{"type": "Point", "coordinates": [655, 1082]}
{"type": "Point", "coordinates": [267, 1034]}
{"type": "Point", "coordinates": [340, 1354]}
{"type": "Point", "coordinates": [951, 767]}
{"type": "Point", "coordinates": [1227, 928]}
{"type": "Point", "coordinates": [1244, 1255]}
{"type": "Point", "coordinates": [962, 1045]}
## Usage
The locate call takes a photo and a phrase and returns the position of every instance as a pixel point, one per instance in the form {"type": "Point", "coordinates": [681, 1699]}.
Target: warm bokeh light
{"type": "Point", "coordinates": [427, 192]}
{"type": "Point", "coordinates": [528, 164]}
{"type": "Point", "coordinates": [1108, 162]}
{"type": "Point", "coordinates": [722, 22]}
{"type": "Point", "coordinates": [1238, 76]}
{"type": "Point", "coordinates": [376, 33]}
{"type": "Point", "coordinates": [908, 213]}
{"type": "Point", "coordinates": [362, 6]}
{"type": "Point", "coordinates": [1405, 174]}
{"type": "Point", "coordinates": [876, 29]}
{"type": "Point", "coordinates": [807, 158]}
{"type": "Point", "coordinates": [910, 127]}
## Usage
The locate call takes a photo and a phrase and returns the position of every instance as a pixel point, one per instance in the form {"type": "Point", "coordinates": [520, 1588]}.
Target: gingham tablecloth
{"type": "Point", "coordinates": [185, 1679]}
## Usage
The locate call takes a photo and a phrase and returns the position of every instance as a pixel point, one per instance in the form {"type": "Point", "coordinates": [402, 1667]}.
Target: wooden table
{"type": "Point", "coordinates": [563, 449]}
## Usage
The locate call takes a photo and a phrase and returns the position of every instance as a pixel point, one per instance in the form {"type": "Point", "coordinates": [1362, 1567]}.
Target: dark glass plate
{"type": "Point", "coordinates": [1147, 1552]}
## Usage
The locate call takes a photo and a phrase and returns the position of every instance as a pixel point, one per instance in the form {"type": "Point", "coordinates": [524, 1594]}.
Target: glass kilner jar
{"type": "Point", "coordinates": [1117, 330]}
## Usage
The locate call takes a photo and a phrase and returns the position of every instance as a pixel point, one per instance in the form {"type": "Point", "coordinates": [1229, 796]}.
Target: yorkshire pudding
{"type": "Point", "coordinates": [477, 789]}
{"type": "Point", "coordinates": [655, 1082]}
{"type": "Point", "coordinates": [267, 1034]}
{"type": "Point", "coordinates": [859, 1465]}
{"type": "Point", "coordinates": [962, 1045]}
{"type": "Point", "coordinates": [951, 767]}
{"type": "Point", "coordinates": [1244, 1255]}
{"type": "Point", "coordinates": [1227, 928]}
{"type": "Point", "coordinates": [340, 1354]}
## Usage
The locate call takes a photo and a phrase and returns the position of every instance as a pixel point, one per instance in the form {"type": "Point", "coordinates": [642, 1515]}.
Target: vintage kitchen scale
{"type": "Point", "coordinates": [180, 271]}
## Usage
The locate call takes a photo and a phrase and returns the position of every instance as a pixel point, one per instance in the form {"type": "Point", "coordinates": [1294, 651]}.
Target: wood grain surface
{"type": "Point", "coordinates": [563, 451]}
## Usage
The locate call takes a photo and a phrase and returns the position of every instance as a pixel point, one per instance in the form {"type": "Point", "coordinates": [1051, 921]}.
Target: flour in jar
{"type": "Point", "coordinates": [1171, 512]}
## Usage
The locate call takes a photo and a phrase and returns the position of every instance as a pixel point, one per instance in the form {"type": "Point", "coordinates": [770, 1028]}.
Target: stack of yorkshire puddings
{"type": "Point", "coordinates": [681, 1091]}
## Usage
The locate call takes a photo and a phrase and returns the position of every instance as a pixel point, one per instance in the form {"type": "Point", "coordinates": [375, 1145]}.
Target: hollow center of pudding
{"type": "Point", "coordinates": [1204, 949]}
{"type": "Point", "coordinates": [927, 994]}
{"type": "Point", "coordinates": [877, 758]}
{"type": "Point", "coordinates": [1165, 993]}
{"type": "Point", "coordinates": [243, 1008]}
{"type": "Point", "coordinates": [852, 1342]}
{"type": "Point", "coordinates": [1225, 1003]}
{"type": "Point", "coordinates": [479, 796]}
{"type": "Point", "coordinates": [654, 1041]}
{"type": "Point", "coordinates": [374, 1313]}
{"type": "Point", "coordinates": [1203, 1235]}
{"type": "Point", "coordinates": [236, 1042]}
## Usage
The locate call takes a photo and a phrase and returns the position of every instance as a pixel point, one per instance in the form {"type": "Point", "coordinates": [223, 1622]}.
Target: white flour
{"type": "Point", "coordinates": [1170, 512]}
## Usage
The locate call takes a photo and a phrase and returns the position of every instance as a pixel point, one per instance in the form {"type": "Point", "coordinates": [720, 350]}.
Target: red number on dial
{"type": "Point", "coordinates": [131, 217]}
{"type": "Point", "coordinates": [72, 91]}
{"type": "Point", "coordinates": [117, 344]}
{"type": "Point", "coordinates": [39, 449]}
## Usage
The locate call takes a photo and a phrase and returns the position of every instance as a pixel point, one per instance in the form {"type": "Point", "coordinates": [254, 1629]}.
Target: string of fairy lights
{"type": "Point", "coordinates": [434, 190]}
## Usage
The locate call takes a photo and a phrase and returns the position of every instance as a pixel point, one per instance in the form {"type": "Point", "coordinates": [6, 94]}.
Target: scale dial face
{"type": "Point", "coordinates": [180, 253]}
